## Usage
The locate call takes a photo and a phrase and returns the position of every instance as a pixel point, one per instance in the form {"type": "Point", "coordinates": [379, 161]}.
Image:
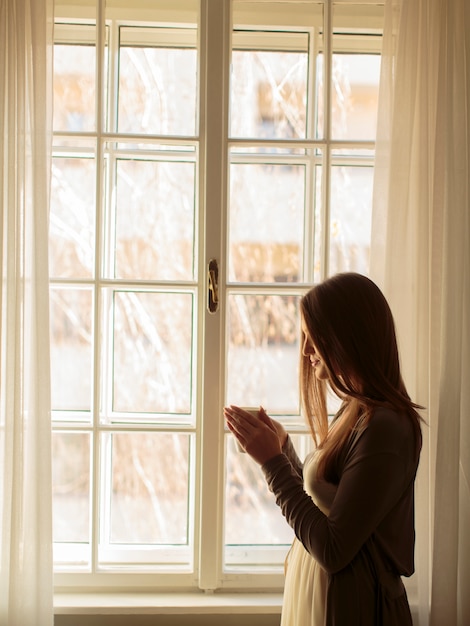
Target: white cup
{"type": "Point", "coordinates": [255, 412]}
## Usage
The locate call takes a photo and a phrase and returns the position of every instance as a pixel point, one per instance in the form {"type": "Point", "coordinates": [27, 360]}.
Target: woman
{"type": "Point", "coordinates": [351, 503]}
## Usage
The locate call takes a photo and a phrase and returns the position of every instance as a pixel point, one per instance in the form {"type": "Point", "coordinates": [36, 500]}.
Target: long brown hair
{"type": "Point", "coordinates": [351, 325]}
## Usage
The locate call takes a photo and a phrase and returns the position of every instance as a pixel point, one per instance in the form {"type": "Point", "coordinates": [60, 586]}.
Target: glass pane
{"type": "Point", "coordinates": [263, 352]}
{"type": "Point", "coordinates": [74, 85]}
{"type": "Point", "coordinates": [155, 206]}
{"type": "Point", "coordinates": [157, 85]}
{"type": "Point", "coordinates": [266, 222]}
{"type": "Point", "coordinates": [252, 516]}
{"type": "Point", "coordinates": [149, 488]}
{"type": "Point", "coordinates": [152, 352]}
{"type": "Point", "coordinates": [355, 96]}
{"type": "Point", "coordinates": [71, 348]}
{"type": "Point", "coordinates": [72, 218]}
{"type": "Point", "coordinates": [71, 486]}
{"type": "Point", "coordinates": [269, 90]}
{"type": "Point", "coordinates": [351, 215]}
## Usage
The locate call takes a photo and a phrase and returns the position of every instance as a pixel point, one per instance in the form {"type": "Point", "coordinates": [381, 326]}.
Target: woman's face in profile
{"type": "Point", "coordinates": [309, 350]}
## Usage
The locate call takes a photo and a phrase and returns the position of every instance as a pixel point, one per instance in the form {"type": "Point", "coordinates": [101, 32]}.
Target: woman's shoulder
{"type": "Point", "coordinates": [387, 434]}
{"type": "Point", "coordinates": [387, 418]}
{"type": "Point", "coordinates": [386, 429]}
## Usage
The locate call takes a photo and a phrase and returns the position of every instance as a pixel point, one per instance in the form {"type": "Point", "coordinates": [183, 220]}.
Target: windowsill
{"type": "Point", "coordinates": [166, 603]}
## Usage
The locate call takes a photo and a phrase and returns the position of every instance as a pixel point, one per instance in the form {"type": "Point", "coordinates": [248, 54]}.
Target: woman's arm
{"type": "Point", "coordinates": [374, 477]}
{"type": "Point", "coordinates": [290, 452]}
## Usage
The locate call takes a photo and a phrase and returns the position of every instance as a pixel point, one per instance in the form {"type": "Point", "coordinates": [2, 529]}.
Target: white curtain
{"type": "Point", "coordinates": [421, 258]}
{"type": "Point", "coordinates": [25, 437]}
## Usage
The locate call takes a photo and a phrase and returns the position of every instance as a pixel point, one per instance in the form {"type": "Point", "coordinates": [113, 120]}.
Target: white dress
{"type": "Point", "coordinates": [306, 582]}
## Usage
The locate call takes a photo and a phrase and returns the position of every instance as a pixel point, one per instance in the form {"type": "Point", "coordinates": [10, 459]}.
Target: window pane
{"type": "Point", "coordinates": [157, 85]}
{"type": "Point", "coordinates": [269, 91]}
{"type": "Point", "coordinates": [252, 516]}
{"type": "Point", "coordinates": [266, 222]}
{"type": "Point", "coordinates": [351, 215]}
{"type": "Point", "coordinates": [71, 487]}
{"type": "Point", "coordinates": [355, 95]}
{"type": "Point", "coordinates": [74, 86]}
{"type": "Point", "coordinates": [152, 352]}
{"type": "Point", "coordinates": [155, 217]}
{"type": "Point", "coordinates": [72, 217]}
{"type": "Point", "coordinates": [149, 492]}
{"type": "Point", "coordinates": [71, 348]}
{"type": "Point", "coordinates": [263, 340]}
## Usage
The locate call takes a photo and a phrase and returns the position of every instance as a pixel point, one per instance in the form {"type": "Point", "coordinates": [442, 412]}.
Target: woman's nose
{"type": "Point", "coordinates": [307, 348]}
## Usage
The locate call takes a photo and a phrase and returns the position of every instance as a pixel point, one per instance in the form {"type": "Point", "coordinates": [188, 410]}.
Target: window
{"type": "Point", "coordinates": [210, 162]}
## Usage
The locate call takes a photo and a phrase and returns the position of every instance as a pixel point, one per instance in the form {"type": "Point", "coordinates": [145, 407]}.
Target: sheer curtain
{"type": "Point", "coordinates": [25, 471]}
{"type": "Point", "coordinates": [420, 256]}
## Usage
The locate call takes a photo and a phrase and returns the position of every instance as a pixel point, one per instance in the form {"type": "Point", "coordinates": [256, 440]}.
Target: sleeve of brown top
{"type": "Point", "coordinates": [290, 452]}
{"type": "Point", "coordinates": [374, 483]}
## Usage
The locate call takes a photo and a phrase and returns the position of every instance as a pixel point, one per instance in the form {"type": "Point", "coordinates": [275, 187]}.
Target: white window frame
{"type": "Point", "coordinates": [211, 150]}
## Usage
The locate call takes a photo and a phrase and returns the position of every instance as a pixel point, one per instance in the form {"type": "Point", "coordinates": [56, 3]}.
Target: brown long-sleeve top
{"type": "Point", "coordinates": [375, 496]}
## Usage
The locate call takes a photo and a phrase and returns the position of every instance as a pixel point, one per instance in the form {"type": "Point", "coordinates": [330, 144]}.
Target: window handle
{"type": "Point", "coordinates": [213, 286]}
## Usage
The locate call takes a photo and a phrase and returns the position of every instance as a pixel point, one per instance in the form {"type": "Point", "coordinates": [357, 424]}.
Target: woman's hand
{"type": "Point", "coordinates": [279, 428]}
{"type": "Point", "coordinates": [260, 436]}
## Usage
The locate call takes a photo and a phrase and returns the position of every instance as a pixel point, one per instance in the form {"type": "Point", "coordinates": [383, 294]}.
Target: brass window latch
{"type": "Point", "coordinates": [213, 286]}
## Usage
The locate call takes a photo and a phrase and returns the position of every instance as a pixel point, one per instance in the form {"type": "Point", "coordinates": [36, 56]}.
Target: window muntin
{"type": "Point", "coordinates": [288, 142]}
